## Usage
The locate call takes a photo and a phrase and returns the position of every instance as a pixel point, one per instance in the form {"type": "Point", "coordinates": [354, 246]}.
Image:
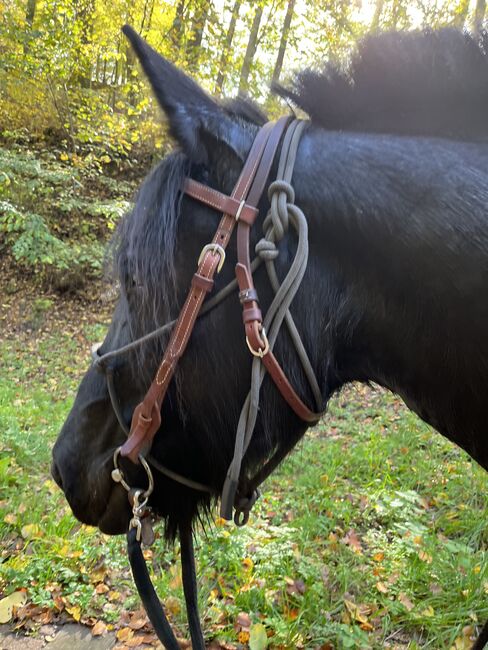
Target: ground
{"type": "Point", "coordinates": [371, 535]}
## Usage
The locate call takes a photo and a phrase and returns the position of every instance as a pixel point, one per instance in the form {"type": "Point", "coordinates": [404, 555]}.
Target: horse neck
{"type": "Point", "coordinates": [400, 273]}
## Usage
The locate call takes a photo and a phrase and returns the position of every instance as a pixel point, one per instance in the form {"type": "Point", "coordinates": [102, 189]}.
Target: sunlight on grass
{"type": "Point", "coordinates": [371, 534]}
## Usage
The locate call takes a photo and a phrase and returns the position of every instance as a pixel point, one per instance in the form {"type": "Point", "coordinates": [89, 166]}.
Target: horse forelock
{"type": "Point", "coordinates": [414, 83]}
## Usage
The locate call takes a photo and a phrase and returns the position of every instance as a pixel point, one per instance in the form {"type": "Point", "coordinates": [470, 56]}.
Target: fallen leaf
{"type": "Point", "coordinates": [352, 540]}
{"type": "Point", "coordinates": [10, 518]}
{"type": "Point", "coordinates": [75, 612]}
{"type": "Point", "coordinates": [381, 587]}
{"type": "Point", "coordinates": [244, 620]}
{"type": "Point", "coordinates": [425, 557]}
{"type": "Point", "coordinates": [138, 622]}
{"type": "Point", "coordinates": [173, 605]}
{"type": "Point", "coordinates": [7, 604]}
{"type": "Point", "coordinates": [258, 639]}
{"type": "Point", "coordinates": [428, 612]}
{"type": "Point", "coordinates": [99, 628]}
{"type": "Point", "coordinates": [124, 634]}
{"type": "Point", "coordinates": [406, 602]}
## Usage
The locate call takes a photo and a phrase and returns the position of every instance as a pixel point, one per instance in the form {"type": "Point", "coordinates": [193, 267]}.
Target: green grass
{"type": "Point", "coordinates": [371, 535]}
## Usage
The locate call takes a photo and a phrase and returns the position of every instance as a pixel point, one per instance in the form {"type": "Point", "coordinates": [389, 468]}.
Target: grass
{"type": "Point", "coordinates": [371, 535]}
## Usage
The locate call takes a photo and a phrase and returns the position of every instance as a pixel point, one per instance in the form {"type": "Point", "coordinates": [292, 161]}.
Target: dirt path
{"type": "Point", "coordinates": [65, 637]}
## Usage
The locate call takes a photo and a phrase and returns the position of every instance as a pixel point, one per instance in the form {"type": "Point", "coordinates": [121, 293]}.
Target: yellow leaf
{"type": "Point", "coordinates": [63, 156]}
{"type": "Point", "coordinates": [75, 612]}
{"type": "Point", "coordinates": [381, 587]}
{"type": "Point", "coordinates": [124, 634]}
{"type": "Point", "coordinates": [243, 637]}
{"type": "Point", "coordinates": [258, 639]}
{"type": "Point", "coordinates": [10, 518]}
{"type": "Point", "coordinates": [428, 612]}
{"type": "Point", "coordinates": [378, 557]}
{"type": "Point", "coordinates": [113, 596]}
{"type": "Point", "coordinates": [248, 563]}
{"type": "Point", "coordinates": [31, 530]}
{"type": "Point", "coordinates": [15, 599]}
{"type": "Point", "coordinates": [173, 605]}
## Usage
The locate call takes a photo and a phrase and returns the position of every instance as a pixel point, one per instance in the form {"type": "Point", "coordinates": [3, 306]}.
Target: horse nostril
{"type": "Point", "coordinates": [56, 474]}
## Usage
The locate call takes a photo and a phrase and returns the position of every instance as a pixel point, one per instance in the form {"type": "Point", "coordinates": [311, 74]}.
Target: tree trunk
{"type": "Point", "coordinates": [375, 23]}
{"type": "Point", "coordinates": [147, 16]}
{"type": "Point", "coordinates": [250, 51]}
{"type": "Point", "coordinates": [177, 28]}
{"type": "Point", "coordinates": [194, 44]}
{"type": "Point", "coordinates": [30, 13]}
{"type": "Point", "coordinates": [283, 41]}
{"type": "Point", "coordinates": [85, 16]}
{"type": "Point", "coordinates": [479, 16]}
{"type": "Point", "coordinates": [224, 59]}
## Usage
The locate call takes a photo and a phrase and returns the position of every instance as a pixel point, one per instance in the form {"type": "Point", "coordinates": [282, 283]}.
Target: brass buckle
{"type": "Point", "coordinates": [216, 250]}
{"type": "Point", "coordinates": [260, 352]}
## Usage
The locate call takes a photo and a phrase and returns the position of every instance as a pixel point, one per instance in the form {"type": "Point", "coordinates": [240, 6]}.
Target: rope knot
{"type": "Point", "coordinates": [282, 186]}
{"type": "Point", "coordinates": [266, 250]}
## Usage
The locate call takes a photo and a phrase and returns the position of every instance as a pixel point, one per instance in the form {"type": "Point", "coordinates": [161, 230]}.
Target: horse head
{"type": "Point", "coordinates": [156, 249]}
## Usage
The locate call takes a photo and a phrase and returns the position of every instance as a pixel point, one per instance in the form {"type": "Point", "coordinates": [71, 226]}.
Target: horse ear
{"type": "Point", "coordinates": [196, 121]}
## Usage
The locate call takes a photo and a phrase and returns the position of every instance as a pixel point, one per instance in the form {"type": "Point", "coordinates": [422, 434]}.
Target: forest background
{"type": "Point", "coordinates": [73, 98]}
{"type": "Point", "coordinates": [381, 545]}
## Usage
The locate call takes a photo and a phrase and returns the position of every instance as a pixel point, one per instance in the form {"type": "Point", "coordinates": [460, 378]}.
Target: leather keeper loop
{"type": "Point", "coordinates": [251, 314]}
{"type": "Point", "coordinates": [248, 214]}
{"type": "Point", "coordinates": [248, 295]}
{"type": "Point", "coordinates": [244, 279]}
{"type": "Point", "coordinates": [200, 282]}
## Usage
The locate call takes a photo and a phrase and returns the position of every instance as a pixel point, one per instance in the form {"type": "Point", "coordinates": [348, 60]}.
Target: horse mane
{"type": "Point", "coordinates": [144, 248]}
{"type": "Point", "coordinates": [412, 83]}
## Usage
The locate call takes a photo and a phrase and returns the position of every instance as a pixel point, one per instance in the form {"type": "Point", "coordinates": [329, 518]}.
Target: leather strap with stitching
{"type": "Point", "coordinates": [146, 418]}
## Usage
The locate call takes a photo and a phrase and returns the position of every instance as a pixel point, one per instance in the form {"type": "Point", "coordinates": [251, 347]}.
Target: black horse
{"type": "Point", "coordinates": [392, 173]}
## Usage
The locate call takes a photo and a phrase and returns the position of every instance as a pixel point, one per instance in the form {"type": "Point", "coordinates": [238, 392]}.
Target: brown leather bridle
{"type": "Point", "coordinates": [240, 208]}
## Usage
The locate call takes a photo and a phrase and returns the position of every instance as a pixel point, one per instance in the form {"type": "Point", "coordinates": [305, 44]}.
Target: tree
{"type": "Point", "coordinates": [283, 40]}
{"type": "Point", "coordinates": [178, 27]}
{"type": "Point", "coordinates": [250, 50]}
{"type": "Point", "coordinates": [199, 19]}
{"type": "Point", "coordinates": [224, 59]}
{"type": "Point", "coordinates": [30, 12]}
{"type": "Point", "coordinates": [479, 16]}
{"type": "Point", "coordinates": [375, 22]}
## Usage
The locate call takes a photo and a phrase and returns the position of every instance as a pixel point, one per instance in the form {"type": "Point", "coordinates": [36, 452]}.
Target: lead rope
{"type": "Point", "coordinates": [282, 212]}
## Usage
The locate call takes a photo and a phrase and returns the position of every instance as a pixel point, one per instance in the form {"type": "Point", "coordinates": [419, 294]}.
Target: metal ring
{"type": "Point", "coordinates": [216, 250]}
{"type": "Point", "coordinates": [118, 475]}
{"type": "Point", "coordinates": [259, 352]}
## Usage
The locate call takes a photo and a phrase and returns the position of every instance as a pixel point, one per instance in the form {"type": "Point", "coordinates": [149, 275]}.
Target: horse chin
{"type": "Point", "coordinates": [115, 518]}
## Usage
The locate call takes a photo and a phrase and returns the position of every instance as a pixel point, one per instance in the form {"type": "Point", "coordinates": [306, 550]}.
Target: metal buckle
{"type": "Point", "coordinates": [259, 352]}
{"type": "Point", "coordinates": [216, 250]}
